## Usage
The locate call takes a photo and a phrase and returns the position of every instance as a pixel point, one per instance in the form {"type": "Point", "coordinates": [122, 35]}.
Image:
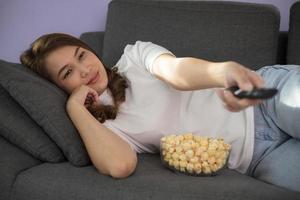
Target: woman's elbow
{"type": "Point", "coordinates": [123, 170]}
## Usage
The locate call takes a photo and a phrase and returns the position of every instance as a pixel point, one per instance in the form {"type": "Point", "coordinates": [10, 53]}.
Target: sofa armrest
{"type": "Point", "coordinates": [94, 40]}
{"type": "Point", "coordinates": [294, 35]}
{"type": "Point", "coordinates": [12, 162]}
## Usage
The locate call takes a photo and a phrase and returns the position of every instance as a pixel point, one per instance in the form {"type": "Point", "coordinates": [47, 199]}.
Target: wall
{"type": "Point", "coordinates": [22, 21]}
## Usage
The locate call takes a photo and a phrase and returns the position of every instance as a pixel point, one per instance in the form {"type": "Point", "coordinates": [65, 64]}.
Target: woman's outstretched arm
{"type": "Point", "coordinates": [188, 73]}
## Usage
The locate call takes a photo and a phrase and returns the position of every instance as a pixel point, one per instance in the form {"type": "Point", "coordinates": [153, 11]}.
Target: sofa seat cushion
{"type": "Point", "coordinates": [13, 161]}
{"type": "Point", "coordinates": [216, 31]}
{"type": "Point", "coordinates": [151, 180]}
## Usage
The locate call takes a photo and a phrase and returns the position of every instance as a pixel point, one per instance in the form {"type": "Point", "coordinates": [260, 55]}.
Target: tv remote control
{"type": "Point", "coordinates": [256, 93]}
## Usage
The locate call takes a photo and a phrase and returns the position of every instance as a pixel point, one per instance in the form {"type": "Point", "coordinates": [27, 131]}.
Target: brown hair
{"type": "Point", "coordinates": [34, 59]}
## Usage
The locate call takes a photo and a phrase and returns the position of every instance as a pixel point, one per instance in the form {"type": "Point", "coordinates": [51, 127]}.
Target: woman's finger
{"type": "Point", "coordinates": [256, 79]}
{"type": "Point", "coordinates": [93, 95]}
{"type": "Point", "coordinates": [228, 107]}
{"type": "Point", "coordinates": [249, 102]}
{"type": "Point", "coordinates": [242, 80]}
{"type": "Point", "coordinates": [228, 102]}
{"type": "Point", "coordinates": [232, 101]}
{"type": "Point", "coordinates": [239, 104]}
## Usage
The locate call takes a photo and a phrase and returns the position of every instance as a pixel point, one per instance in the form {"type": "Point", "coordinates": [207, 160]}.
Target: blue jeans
{"type": "Point", "coordinates": [276, 157]}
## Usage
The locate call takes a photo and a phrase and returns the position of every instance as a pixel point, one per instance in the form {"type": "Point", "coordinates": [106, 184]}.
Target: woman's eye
{"type": "Point", "coordinates": [67, 73]}
{"type": "Point", "coordinates": [81, 55]}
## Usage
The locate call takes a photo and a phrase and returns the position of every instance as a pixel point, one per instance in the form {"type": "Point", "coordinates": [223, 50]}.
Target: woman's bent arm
{"type": "Point", "coordinates": [110, 154]}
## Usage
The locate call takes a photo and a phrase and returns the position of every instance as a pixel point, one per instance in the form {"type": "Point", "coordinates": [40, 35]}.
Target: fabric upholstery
{"type": "Point", "coordinates": [217, 31]}
{"type": "Point", "coordinates": [45, 103]}
{"type": "Point", "coordinates": [18, 128]}
{"type": "Point", "coordinates": [293, 53]}
{"type": "Point", "coordinates": [94, 40]}
{"type": "Point", "coordinates": [150, 181]}
{"type": "Point", "coordinates": [13, 161]}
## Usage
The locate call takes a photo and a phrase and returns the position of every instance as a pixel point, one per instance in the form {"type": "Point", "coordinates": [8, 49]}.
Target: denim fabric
{"type": "Point", "coordinates": [276, 122]}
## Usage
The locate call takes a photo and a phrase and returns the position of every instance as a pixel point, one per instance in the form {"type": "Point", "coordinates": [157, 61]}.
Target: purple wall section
{"type": "Point", "coordinates": [22, 21]}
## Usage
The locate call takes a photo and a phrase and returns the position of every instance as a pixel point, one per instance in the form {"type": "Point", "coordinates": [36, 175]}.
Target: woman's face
{"type": "Point", "coordinates": [72, 66]}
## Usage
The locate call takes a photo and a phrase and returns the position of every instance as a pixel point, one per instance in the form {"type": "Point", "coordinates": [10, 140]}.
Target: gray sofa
{"type": "Point", "coordinates": [247, 33]}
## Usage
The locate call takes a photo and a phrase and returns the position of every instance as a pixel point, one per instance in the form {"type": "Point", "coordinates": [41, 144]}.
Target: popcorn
{"type": "Point", "coordinates": [194, 154]}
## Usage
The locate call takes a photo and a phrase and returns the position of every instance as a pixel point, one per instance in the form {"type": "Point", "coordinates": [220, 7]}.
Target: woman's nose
{"type": "Point", "coordinates": [84, 71]}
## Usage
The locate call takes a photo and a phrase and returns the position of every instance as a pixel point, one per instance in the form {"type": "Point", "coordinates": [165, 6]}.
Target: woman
{"type": "Point", "coordinates": [150, 93]}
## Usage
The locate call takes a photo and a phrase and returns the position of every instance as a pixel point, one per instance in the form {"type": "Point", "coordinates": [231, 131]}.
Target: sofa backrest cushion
{"type": "Point", "coordinates": [216, 31]}
{"type": "Point", "coordinates": [293, 53]}
{"type": "Point", "coordinates": [94, 40]}
{"type": "Point", "coordinates": [45, 103]}
{"type": "Point", "coordinates": [18, 128]}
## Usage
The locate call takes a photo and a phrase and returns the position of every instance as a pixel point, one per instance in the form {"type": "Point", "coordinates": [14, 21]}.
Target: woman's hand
{"type": "Point", "coordinates": [236, 74]}
{"type": "Point", "coordinates": [84, 96]}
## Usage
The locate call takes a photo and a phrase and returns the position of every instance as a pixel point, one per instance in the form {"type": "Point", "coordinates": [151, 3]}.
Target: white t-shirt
{"type": "Point", "coordinates": [153, 109]}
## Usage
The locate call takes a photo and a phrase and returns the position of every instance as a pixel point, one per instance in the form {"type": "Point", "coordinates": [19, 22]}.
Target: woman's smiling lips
{"type": "Point", "coordinates": [94, 79]}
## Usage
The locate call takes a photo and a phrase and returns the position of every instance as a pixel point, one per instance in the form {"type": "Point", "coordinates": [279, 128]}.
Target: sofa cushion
{"type": "Point", "coordinates": [18, 128]}
{"type": "Point", "coordinates": [150, 181]}
{"type": "Point", "coordinates": [13, 161]}
{"type": "Point", "coordinates": [216, 31]}
{"type": "Point", "coordinates": [293, 53]}
{"type": "Point", "coordinates": [94, 40]}
{"type": "Point", "coordinates": [45, 103]}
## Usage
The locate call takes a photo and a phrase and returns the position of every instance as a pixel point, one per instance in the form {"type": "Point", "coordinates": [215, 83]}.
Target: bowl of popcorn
{"type": "Point", "coordinates": [193, 154]}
